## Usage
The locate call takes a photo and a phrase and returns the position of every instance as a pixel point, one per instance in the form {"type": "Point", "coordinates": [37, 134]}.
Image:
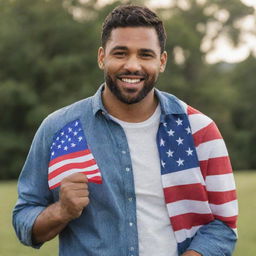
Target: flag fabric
{"type": "Point", "coordinates": [70, 154]}
{"type": "Point", "coordinates": [196, 174]}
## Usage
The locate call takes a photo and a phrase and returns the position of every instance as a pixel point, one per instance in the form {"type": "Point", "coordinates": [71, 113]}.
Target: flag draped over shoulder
{"type": "Point", "coordinates": [70, 154]}
{"type": "Point", "coordinates": [196, 174]}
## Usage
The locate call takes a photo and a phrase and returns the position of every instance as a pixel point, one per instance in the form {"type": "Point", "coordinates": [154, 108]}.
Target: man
{"type": "Point", "coordinates": [151, 175]}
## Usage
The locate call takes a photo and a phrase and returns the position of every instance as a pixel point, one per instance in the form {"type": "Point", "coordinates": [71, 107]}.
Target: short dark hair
{"type": "Point", "coordinates": [133, 16]}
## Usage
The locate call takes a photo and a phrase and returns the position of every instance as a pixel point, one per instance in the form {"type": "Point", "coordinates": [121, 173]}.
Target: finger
{"type": "Point", "coordinates": [73, 189]}
{"type": "Point", "coordinates": [76, 178]}
{"type": "Point", "coordinates": [81, 193]}
{"type": "Point", "coordinates": [78, 186]}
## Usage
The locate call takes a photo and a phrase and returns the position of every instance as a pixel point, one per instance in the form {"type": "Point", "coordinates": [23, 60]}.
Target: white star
{"type": "Point", "coordinates": [62, 133]}
{"type": "Point", "coordinates": [170, 153]}
{"type": "Point", "coordinates": [53, 153]}
{"type": "Point", "coordinates": [162, 142]}
{"type": "Point", "coordinates": [66, 148]}
{"type": "Point", "coordinates": [53, 143]}
{"type": "Point", "coordinates": [179, 121]}
{"type": "Point", "coordinates": [59, 146]}
{"type": "Point", "coordinates": [73, 145]}
{"type": "Point", "coordinates": [69, 129]}
{"type": "Point", "coordinates": [188, 130]}
{"type": "Point", "coordinates": [62, 141]}
{"type": "Point", "coordinates": [165, 124]}
{"type": "Point", "coordinates": [80, 138]}
{"type": "Point", "coordinates": [180, 141]}
{"type": "Point", "coordinates": [190, 152]}
{"type": "Point", "coordinates": [163, 163]}
{"type": "Point", "coordinates": [69, 139]}
{"type": "Point", "coordinates": [75, 133]}
{"type": "Point", "coordinates": [171, 132]}
{"type": "Point", "coordinates": [58, 138]}
{"type": "Point", "coordinates": [76, 123]}
{"type": "Point", "coordinates": [180, 162]}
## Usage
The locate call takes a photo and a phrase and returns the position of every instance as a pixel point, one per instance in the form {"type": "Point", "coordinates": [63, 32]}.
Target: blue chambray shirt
{"type": "Point", "coordinates": [107, 226]}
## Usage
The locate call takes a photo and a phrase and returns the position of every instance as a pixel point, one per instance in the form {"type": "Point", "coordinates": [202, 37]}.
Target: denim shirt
{"type": "Point", "coordinates": [107, 225]}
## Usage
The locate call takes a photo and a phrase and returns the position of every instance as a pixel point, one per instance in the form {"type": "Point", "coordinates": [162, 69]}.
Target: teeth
{"type": "Point", "coordinates": [130, 81]}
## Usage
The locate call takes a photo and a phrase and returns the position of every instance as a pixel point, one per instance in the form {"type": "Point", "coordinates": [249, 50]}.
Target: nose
{"type": "Point", "coordinates": [132, 64]}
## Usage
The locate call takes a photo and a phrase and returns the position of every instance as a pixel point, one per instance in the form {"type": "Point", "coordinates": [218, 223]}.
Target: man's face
{"type": "Point", "coordinates": [131, 62]}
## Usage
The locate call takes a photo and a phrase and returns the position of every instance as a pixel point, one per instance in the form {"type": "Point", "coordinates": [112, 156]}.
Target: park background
{"type": "Point", "coordinates": [48, 59]}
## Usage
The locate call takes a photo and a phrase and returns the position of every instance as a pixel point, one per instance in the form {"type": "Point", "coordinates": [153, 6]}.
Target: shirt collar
{"type": "Point", "coordinates": [169, 103]}
{"type": "Point", "coordinates": [97, 104]}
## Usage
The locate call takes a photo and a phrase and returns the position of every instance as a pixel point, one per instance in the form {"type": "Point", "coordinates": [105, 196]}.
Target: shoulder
{"type": "Point", "coordinates": [197, 119]}
{"type": "Point", "coordinates": [61, 117]}
{"type": "Point", "coordinates": [173, 105]}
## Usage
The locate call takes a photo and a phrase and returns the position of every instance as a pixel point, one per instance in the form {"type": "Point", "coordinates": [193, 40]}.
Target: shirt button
{"type": "Point", "coordinates": [123, 152]}
{"type": "Point", "coordinates": [131, 248]}
{"type": "Point", "coordinates": [131, 224]}
{"type": "Point", "coordinates": [130, 199]}
{"type": "Point", "coordinates": [127, 169]}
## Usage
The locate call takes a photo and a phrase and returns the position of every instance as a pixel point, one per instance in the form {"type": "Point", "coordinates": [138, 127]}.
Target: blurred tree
{"type": "Point", "coordinates": [244, 120]}
{"type": "Point", "coordinates": [48, 52]}
{"type": "Point", "coordinates": [48, 60]}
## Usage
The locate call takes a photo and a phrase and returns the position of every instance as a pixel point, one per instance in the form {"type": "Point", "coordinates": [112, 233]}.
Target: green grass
{"type": "Point", "coordinates": [246, 181]}
{"type": "Point", "coordinates": [9, 244]}
{"type": "Point", "coordinates": [246, 184]}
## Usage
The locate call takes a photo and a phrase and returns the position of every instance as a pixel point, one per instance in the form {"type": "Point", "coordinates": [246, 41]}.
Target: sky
{"type": "Point", "coordinates": [224, 51]}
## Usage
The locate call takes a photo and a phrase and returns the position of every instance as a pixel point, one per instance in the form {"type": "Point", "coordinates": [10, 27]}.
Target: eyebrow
{"type": "Point", "coordinates": [124, 48]}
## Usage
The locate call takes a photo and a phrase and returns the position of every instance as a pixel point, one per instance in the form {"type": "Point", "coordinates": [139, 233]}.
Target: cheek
{"type": "Point", "coordinates": [111, 68]}
{"type": "Point", "coordinates": [153, 69]}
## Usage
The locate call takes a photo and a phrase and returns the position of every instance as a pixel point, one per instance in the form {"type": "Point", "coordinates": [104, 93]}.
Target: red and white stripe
{"type": "Point", "coordinates": [196, 196]}
{"type": "Point", "coordinates": [63, 166]}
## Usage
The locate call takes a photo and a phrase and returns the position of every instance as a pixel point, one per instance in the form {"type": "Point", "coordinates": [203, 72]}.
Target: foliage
{"type": "Point", "coordinates": [243, 116]}
{"type": "Point", "coordinates": [48, 52]}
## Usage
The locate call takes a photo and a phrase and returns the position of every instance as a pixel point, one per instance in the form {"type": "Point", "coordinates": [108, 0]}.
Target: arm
{"type": "Point", "coordinates": [73, 199]}
{"type": "Point", "coordinates": [218, 237]}
{"type": "Point", "coordinates": [35, 211]}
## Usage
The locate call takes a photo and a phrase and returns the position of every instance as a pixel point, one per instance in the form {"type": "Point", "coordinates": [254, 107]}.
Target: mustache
{"type": "Point", "coordinates": [137, 73]}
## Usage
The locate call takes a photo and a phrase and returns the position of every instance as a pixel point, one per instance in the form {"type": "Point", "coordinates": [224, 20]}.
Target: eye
{"type": "Point", "coordinates": [146, 55]}
{"type": "Point", "coordinates": [119, 54]}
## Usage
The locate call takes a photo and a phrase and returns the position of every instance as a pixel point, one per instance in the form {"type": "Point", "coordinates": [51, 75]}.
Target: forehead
{"type": "Point", "coordinates": [134, 38]}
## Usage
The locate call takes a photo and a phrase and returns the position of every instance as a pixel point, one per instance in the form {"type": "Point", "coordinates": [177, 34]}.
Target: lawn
{"type": "Point", "coordinates": [246, 181]}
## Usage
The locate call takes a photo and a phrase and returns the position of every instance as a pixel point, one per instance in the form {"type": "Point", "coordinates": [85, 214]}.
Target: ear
{"type": "Point", "coordinates": [163, 59]}
{"type": "Point", "coordinates": [101, 55]}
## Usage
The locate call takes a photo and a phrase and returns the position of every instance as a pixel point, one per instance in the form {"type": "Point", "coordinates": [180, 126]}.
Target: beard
{"type": "Point", "coordinates": [125, 96]}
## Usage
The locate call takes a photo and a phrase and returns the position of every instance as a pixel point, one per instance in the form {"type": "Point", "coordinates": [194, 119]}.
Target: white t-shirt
{"type": "Point", "coordinates": [156, 236]}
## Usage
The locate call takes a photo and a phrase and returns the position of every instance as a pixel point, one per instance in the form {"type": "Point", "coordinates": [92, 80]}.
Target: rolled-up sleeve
{"type": "Point", "coordinates": [218, 238]}
{"type": "Point", "coordinates": [214, 239]}
{"type": "Point", "coordinates": [33, 191]}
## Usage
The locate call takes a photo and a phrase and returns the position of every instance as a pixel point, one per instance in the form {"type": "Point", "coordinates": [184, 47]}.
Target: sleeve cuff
{"type": "Point", "coordinates": [24, 222]}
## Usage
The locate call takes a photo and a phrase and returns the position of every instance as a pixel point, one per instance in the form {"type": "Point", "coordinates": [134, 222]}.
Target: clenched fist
{"type": "Point", "coordinates": [73, 195]}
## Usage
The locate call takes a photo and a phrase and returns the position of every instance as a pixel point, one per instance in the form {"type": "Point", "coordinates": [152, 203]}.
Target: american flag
{"type": "Point", "coordinates": [70, 154]}
{"type": "Point", "coordinates": [196, 173]}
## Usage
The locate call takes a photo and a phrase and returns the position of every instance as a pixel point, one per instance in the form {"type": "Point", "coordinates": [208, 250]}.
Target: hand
{"type": "Point", "coordinates": [73, 196]}
{"type": "Point", "coordinates": [191, 253]}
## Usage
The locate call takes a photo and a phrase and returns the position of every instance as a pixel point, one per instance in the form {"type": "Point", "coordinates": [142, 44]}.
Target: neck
{"type": "Point", "coordinates": [134, 113]}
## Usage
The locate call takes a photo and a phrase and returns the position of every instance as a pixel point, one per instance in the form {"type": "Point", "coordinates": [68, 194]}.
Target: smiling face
{"type": "Point", "coordinates": [131, 61]}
